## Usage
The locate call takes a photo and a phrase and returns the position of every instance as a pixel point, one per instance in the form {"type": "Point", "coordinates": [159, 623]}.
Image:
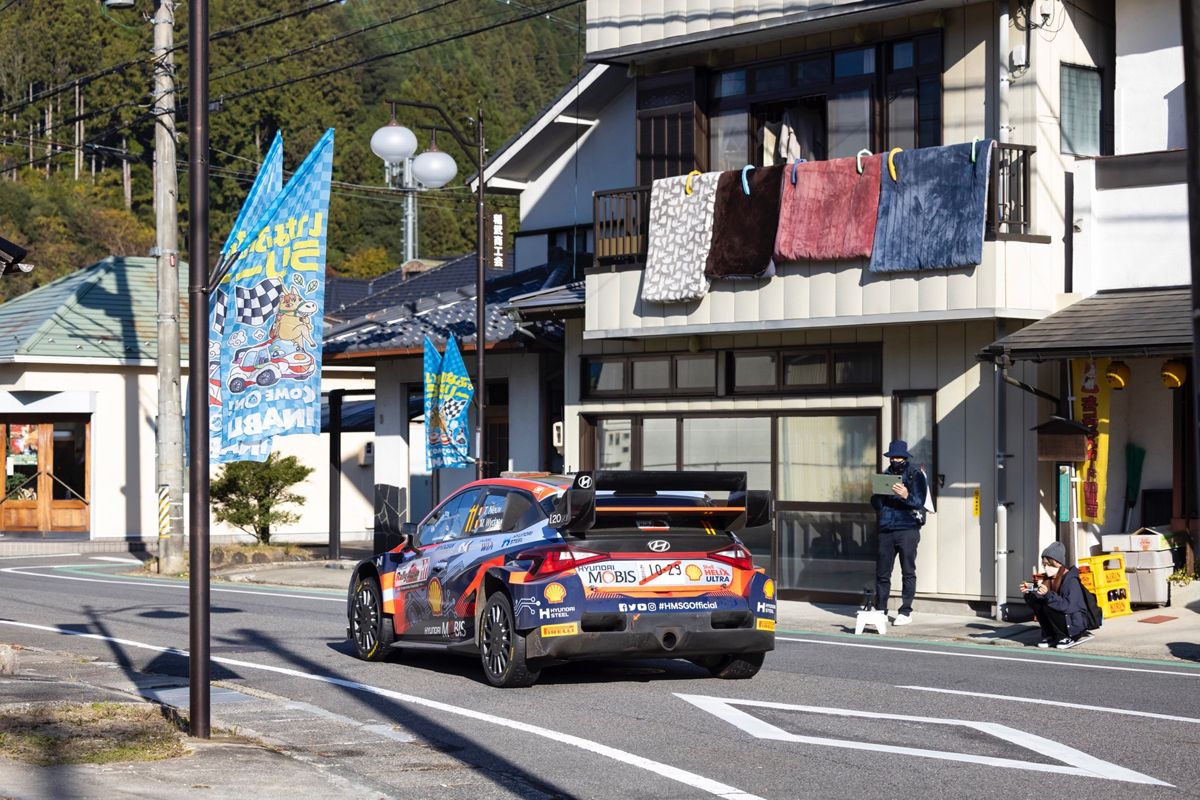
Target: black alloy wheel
{"type": "Point", "coordinates": [370, 628]}
{"type": "Point", "coordinates": [501, 647]}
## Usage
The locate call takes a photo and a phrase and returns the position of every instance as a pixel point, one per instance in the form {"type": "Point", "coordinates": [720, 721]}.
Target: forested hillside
{"type": "Point", "coordinates": [298, 66]}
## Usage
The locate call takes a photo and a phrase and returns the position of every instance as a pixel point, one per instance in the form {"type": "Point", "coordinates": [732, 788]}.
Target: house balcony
{"type": "Point", "coordinates": [1016, 278]}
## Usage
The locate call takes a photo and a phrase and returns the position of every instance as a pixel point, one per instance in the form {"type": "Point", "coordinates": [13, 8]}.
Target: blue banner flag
{"type": "Point", "coordinates": [449, 425]}
{"type": "Point", "coordinates": [433, 370]}
{"type": "Point", "coordinates": [271, 361]}
{"type": "Point", "coordinates": [267, 186]}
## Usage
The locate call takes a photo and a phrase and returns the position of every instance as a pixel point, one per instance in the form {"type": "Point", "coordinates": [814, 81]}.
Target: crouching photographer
{"type": "Point", "coordinates": [1058, 602]}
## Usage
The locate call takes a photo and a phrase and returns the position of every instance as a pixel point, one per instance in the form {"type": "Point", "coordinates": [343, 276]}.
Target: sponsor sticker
{"type": "Point", "coordinates": [412, 573]}
{"type": "Point", "coordinates": [769, 589]}
{"type": "Point", "coordinates": [555, 593]}
{"type": "Point", "coordinates": [562, 629]}
{"type": "Point", "coordinates": [660, 574]}
{"type": "Point", "coordinates": [765, 608]}
{"type": "Point", "coordinates": [764, 624]}
{"type": "Point", "coordinates": [435, 596]}
{"type": "Point", "coordinates": [556, 612]}
{"type": "Point", "coordinates": [530, 604]}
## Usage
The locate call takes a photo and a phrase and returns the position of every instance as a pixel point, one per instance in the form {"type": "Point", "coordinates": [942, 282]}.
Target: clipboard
{"type": "Point", "coordinates": [882, 484]}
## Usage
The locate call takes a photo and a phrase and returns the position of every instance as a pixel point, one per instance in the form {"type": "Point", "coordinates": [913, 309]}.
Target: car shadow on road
{"type": "Point", "coordinates": [1188, 651]}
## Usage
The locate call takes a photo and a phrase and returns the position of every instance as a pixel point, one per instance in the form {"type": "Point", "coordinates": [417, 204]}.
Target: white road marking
{"type": "Point", "coordinates": [690, 779]}
{"type": "Point", "coordinates": [183, 587]}
{"type": "Point", "coordinates": [1122, 711]}
{"type": "Point", "coordinates": [116, 559]}
{"type": "Point", "coordinates": [43, 555]}
{"type": "Point", "coordinates": [1053, 663]}
{"type": "Point", "coordinates": [1080, 764]}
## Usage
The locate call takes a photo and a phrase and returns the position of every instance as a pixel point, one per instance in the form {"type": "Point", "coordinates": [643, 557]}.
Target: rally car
{"type": "Point", "coordinates": [526, 571]}
{"type": "Point", "coordinates": [264, 364]}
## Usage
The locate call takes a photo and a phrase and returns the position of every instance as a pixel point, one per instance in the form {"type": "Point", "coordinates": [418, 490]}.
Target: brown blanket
{"type": "Point", "coordinates": [829, 212]}
{"type": "Point", "coordinates": [744, 226]}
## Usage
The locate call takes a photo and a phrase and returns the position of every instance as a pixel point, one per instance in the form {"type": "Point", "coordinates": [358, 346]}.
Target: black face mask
{"type": "Point", "coordinates": [897, 467]}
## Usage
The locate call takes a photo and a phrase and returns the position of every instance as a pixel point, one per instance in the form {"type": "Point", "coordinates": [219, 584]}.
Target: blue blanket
{"type": "Point", "coordinates": [933, 215]}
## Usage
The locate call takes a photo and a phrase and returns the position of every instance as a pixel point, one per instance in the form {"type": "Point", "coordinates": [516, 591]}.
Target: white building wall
{"type": "Point", "coordinates": [1129, 238]}
{"type": "Point", "coordinates": [1149, 103]}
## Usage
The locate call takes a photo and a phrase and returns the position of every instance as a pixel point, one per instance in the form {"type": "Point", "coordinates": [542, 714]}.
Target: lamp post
{"type": "Point", "coordinates": [396, 144]}
{"type": "Point", "coordinates": [434, 169]}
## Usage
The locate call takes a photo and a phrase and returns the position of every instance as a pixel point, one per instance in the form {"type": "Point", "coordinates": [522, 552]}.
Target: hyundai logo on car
{"type": "Point", "coordinates": [659, 545]}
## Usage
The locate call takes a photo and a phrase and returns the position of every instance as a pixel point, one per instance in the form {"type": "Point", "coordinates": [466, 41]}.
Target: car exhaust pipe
{"type": "Point", "coordinates": [668, 640]}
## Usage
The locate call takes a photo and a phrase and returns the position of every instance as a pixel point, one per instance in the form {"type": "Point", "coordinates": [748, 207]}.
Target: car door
{"type": "Point", "coordinates": [429, 608]}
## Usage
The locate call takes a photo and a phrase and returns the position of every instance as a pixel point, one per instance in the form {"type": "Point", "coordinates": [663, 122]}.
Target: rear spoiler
{"type": "Point", "coordinates": [575, 510]}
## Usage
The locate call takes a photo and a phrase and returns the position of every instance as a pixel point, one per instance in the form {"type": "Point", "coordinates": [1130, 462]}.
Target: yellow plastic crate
{"type": "Point", "coordinates": [1103, 572]}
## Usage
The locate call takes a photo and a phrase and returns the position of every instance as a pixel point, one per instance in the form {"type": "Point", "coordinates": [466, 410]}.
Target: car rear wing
{"type": "Point", "coordinates": [576, 510]}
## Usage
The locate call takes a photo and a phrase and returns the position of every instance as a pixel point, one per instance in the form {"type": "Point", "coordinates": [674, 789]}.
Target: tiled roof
{"type": "Point", "coordinates": [403, 327]}
{"type": "Point", "coordinates": [107, 310]}
{"type": "Point", "coordinates": [392, 290]}
{"type": "Point", "coordinates": [558, 302]}
{"type": "Point", "coordinates": [1128, 322]}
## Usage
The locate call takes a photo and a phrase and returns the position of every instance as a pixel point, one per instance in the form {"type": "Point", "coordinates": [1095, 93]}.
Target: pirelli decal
{"type": "Point", "coordinates": [562, 629]}
{"type": "Point", "coordinates": [764, 624]}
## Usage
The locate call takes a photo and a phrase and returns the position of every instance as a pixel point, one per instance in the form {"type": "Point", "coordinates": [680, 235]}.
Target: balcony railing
{"type": "Point", "coordinates": [622, 216]}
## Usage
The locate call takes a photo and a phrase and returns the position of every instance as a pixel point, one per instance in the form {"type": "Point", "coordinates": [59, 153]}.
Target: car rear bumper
{"type": "Point", "coordinates": [682, 635]}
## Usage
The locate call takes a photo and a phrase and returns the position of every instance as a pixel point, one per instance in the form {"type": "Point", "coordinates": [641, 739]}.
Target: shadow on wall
{"type": "Point", "coordinates": [1176, 121]}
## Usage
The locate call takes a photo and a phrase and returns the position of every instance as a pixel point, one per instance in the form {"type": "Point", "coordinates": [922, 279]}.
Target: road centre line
{"type": "Point", "coordinates": [667, 771]}
{"type": "Point", "coordinates": [161, 584]}
{"type": "Point", "coordinates": [40, 555]}
{"type": "Point", "coordinates": [1123, 711]}
{"type": "Point", "coordinates": [1022, 660]}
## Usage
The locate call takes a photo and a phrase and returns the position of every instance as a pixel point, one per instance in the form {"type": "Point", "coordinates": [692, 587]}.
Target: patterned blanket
{"type": "Point", "coordinates": [681, 227]}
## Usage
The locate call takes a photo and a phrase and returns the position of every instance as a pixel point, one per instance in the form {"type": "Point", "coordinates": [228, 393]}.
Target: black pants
{"type": "Point", "coordinates": [1054, 623]}
{"type": "Point", "coordinates": [892, 543]}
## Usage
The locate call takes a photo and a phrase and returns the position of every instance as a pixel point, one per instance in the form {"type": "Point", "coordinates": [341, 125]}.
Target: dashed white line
{"type": "Point", "coordinates": [116, 559]}
{"type": "Point", "coordinates": [690, 779]}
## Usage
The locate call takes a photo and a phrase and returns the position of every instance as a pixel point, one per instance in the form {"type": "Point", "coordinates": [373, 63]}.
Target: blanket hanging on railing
{"type": "Point", "coordinates": [828, 212]}
{"type": "Point", "coordinates": [745, 220]}
{"type": "Point", "coordinates": [933, 214]}
{"type": "Point", "coordinates": [681, 226]}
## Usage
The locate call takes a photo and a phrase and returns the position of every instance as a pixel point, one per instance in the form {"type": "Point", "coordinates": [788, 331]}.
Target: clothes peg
{"type": "Point", "coordinates": [746, 183]}
{"type": "Point", "coordinates": [892, 163]}
{"type": "Point", "coordinates": [687, 185]}
{"type": "Point", "coordinates": [974, 142]}
{"type": "Point", "coordinates": [793, 169]}
{"type": "Point", "coordinates": [861, 153]}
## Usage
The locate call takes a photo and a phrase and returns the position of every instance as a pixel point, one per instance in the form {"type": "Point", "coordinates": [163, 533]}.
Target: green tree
{"type": "Point", "coordinates": [250, 496]}
{"type": "Point", "coordinates": [367, 263]}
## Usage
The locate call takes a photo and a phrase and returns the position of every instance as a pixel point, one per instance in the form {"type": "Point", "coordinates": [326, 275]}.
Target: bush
{"type": "Point", "coordinates": [250, 496]}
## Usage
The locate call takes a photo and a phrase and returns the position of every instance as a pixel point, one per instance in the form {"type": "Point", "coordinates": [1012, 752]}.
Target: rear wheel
{"type": "Point", "coordinates": [736, 666]}
{"type": "Point", "coordinates": [370, 628]}
{"type": "Point", "coordinates": [501, 647]}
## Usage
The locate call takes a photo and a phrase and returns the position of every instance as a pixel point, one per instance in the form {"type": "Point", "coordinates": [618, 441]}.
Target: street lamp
{"type": "Point", "coordinates": [396, 144]}
{"type": "Point", "coordinates": [434, 169]}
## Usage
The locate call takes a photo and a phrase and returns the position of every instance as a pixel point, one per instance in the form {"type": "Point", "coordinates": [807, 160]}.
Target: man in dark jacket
{"type": "Point", "coordinates": [901, 515]}
{"type": "Point", "coordinates": [1058, 602]}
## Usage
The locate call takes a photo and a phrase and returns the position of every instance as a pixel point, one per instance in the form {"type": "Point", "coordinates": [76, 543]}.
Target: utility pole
{"type": "Point", "coordinates": [169, 440]}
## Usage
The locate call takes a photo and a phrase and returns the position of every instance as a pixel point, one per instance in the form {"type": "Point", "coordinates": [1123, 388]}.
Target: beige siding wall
{"type": "Point", "coordinates": [956, 557]}
{"type": "Point", "coordinates": [123, 492]}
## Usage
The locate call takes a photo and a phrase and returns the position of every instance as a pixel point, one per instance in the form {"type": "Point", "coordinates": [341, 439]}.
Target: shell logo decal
{"type": "Point", "coordinates": [555, 593]}
{"type": "Point", "coordinates": [435, 596]}
{"type": "Point", "coordinates": [769, 589]}
{"type": "Point", "coordinates": [693, 572]}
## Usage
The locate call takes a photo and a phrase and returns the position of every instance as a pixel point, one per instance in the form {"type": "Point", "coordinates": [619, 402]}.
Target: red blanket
{"type": "Point", "coordinates": [829, 212]}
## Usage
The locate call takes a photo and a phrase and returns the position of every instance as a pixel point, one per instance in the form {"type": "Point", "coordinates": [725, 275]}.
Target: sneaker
{"type": "Point", "coordinates": [1070, 641]}
{"type": "Point", "coordinates": [1047, 642]}
{"type": "Point", "coordinates": [903, 619]}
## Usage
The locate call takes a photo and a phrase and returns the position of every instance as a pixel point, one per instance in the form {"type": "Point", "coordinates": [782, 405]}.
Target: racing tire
{"type": "Point", "coordinates": [736, 666]}
{"type": "Point", "coordinates": [501, 647]}
{"type": "Point", "coordinates": [370, 629]}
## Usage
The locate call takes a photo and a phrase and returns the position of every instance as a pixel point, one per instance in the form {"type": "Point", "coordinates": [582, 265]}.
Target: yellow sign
{"type": "Point", "coordinates": [562, 629]}
{"type": "Point", "coordinates": [435, 596]}
{"type": "Point", "coordinates": [555, 592]}
{"type": "Point", "coordinates": [1091, 408]}
{"type": "Point", "coordinates": [764, 624]}
{"type": "Point", "coordinates": [975, 502]}
{"type": "Point", "coordinates": [769, 589]}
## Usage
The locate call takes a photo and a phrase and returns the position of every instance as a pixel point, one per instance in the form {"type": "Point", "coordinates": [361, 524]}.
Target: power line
{"type": "Point", "coordinates": [8, 5]}
{"type": "Point", "coordinates": [381, 56]}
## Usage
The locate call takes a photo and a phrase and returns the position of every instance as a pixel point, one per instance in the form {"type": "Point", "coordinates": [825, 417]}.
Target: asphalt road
{"type": "Point", "coordinates": [828, 717]}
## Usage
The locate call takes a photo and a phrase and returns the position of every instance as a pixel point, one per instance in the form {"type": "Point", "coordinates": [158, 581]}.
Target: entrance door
{"type": "Point", "coordinates": [46, 475]}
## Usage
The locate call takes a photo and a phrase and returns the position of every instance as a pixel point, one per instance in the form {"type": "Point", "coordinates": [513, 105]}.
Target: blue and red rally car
{"type": "Point", "coordinates": [531, 570]}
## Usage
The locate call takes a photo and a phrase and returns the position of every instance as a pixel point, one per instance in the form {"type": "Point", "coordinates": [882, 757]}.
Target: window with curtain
{"type": "Point", "coordinates": [827, 459]}
{"type": "Point", "coordinates": [1079, 112]}
{"type": "Point", "coordinates": [658, 443]}
{"type": "Point", "coordinates": [729, 443]}
{"type": "Point", "coordinates": [614, 444]}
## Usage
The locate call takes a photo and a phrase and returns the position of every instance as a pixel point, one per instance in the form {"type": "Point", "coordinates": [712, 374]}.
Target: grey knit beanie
{"type": "Point", "coordinates": [1056, 551]}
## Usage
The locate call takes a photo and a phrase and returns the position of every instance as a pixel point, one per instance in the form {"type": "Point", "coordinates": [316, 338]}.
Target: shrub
{"type": "Point", "coordinates": [250, 495]}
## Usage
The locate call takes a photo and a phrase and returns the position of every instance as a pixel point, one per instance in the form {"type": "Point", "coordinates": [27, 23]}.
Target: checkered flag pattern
{"type": "Point", "coordinates": [452, 408]}
{"type": "Point", "coordinates": [219, 301]}
{"type": "Point", "coordinates": [256, 304]}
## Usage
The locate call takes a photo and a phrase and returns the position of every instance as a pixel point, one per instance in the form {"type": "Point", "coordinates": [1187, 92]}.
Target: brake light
{"type": "Point", "coordinates": [559, 559]}
{"type": "Point", "coordinates": [737, 555]}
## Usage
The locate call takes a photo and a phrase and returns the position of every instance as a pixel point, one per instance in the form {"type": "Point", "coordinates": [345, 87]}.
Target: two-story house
{"type": "Point", "coordinates": [802, 378]}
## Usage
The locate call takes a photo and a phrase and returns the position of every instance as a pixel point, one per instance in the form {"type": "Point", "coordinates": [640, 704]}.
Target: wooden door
{"type": "Point", "coordinates": [47, 475]}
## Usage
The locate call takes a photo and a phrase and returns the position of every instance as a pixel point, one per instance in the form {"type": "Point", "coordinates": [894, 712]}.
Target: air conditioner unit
{"type": "Point", "coordinates": [556, 435]}
{"type": "Point", "coordinates": [366, 456]}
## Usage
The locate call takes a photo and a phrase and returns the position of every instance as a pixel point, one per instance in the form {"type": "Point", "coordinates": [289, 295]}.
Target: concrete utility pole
{"type": "Point", "coordinates": [168, 470]}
